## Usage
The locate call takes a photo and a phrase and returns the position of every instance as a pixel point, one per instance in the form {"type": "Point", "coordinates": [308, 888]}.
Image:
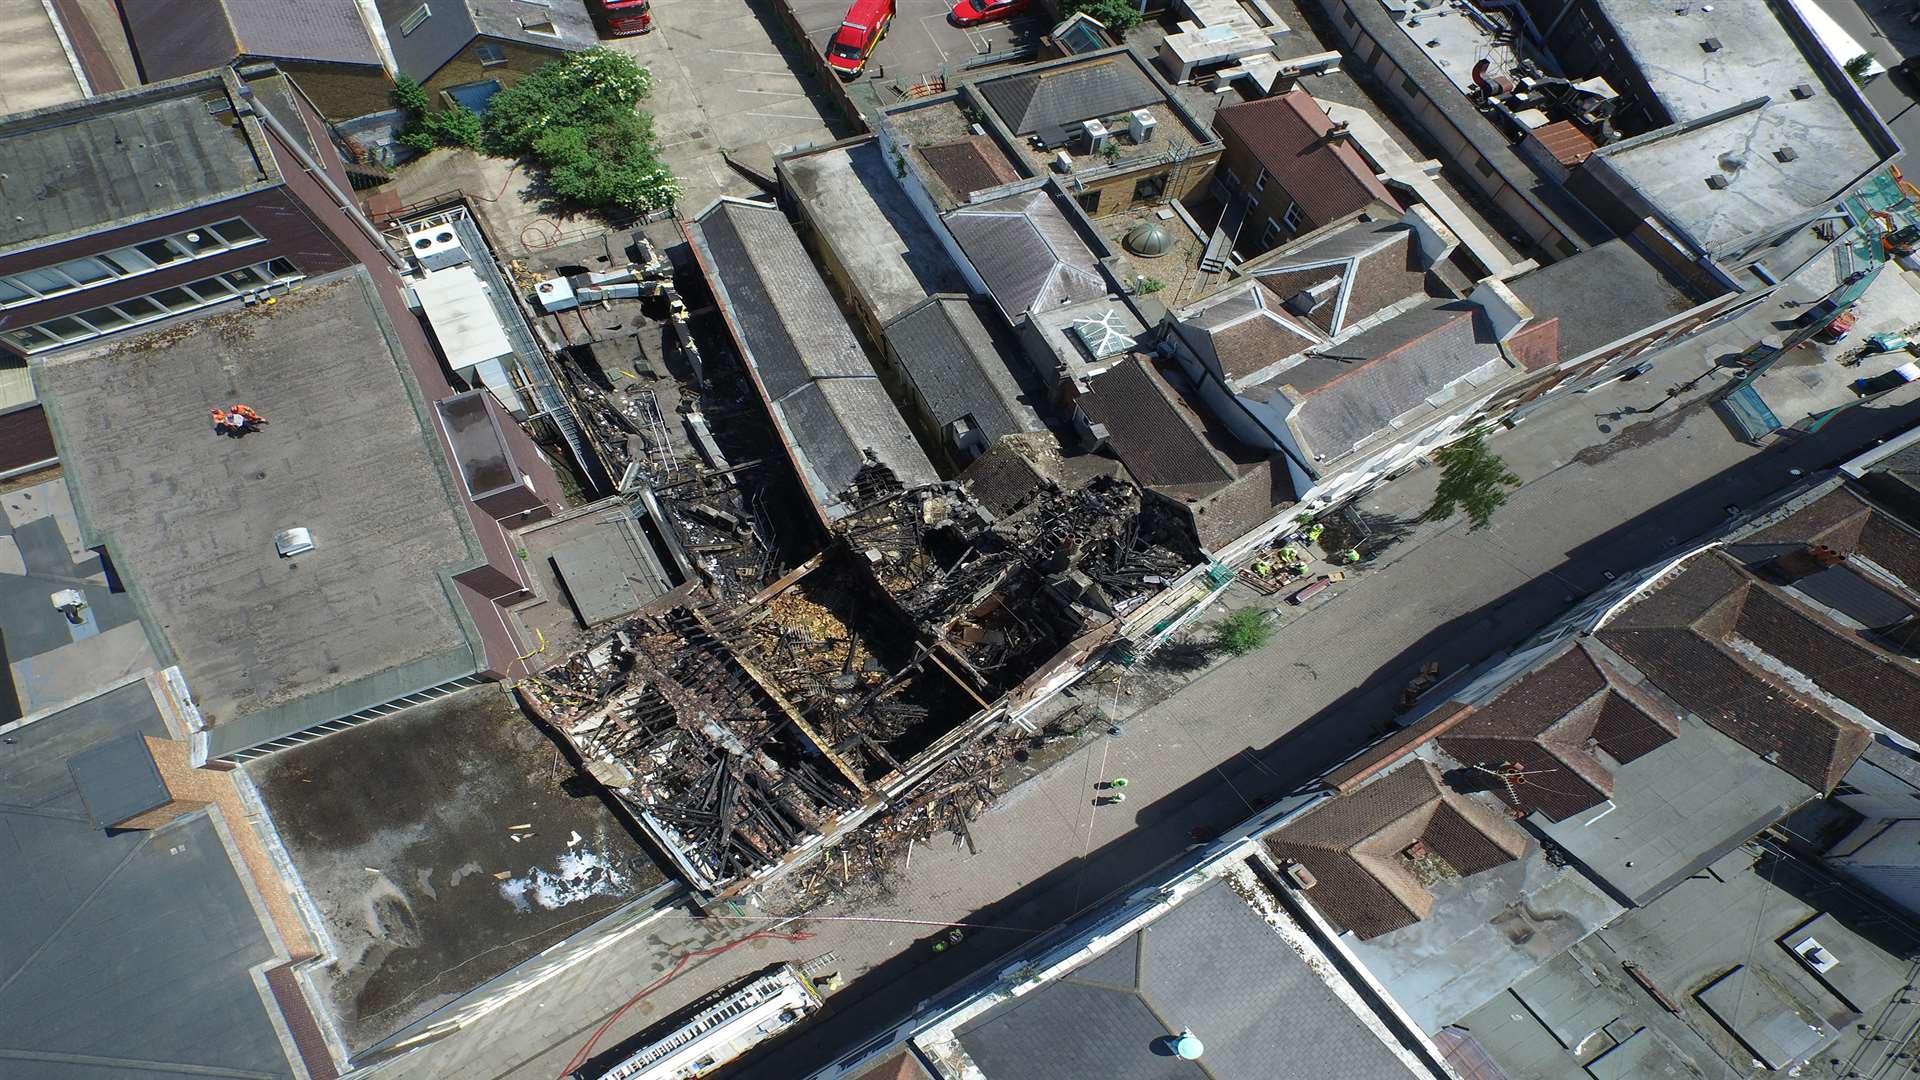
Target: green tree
{"type": "Point", "coordinates": [1118, 16]}
{"type": "Point", "coordinates": [1243, 631]}
{"type": "Point", "coordinates": [455, 126]}
{"type": "Point", "coordinates": [1472, 478]}
{"type": "Point", "coordinates": [576, 117]}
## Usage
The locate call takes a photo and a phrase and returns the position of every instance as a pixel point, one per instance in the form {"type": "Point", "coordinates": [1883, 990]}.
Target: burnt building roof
{"type": "Point", "coordinates": [823, 391]}
{"type": "Point", "coordinates": [1369, 850]}
{"type": "Point", "coordinates": [1295, 141]}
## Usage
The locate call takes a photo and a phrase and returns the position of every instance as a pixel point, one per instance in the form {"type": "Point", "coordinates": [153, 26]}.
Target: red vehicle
{"type": "Point", "coordinates": [627, 17]}
{"type": "Point", "coordinates": [866, 23]}
{"type": "Point", "coordinates": [972, 12]}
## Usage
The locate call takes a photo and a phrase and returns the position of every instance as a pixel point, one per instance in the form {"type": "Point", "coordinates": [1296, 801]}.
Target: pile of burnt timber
{"type": "Point", "coordinates": [716, 765]}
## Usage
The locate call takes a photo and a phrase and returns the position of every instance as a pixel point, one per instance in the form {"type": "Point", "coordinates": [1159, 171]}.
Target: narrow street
{"type": "Point", "coordinates": [1612, 480]}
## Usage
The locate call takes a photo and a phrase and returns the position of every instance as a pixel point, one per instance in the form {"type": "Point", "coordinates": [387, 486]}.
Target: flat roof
{"type": "Point", "coordinates": [824, 393]}
{"type": "Point", "coordinates": [461, 316]}
{"type": "Point", "coordinates": [861, 213]}
{"type": "Point", "coordinates": [429, 798]}
{"type": "Point", "coordinates": [79, 167]}
{"type": "Point", "coordinates": [1224, 961]}
{"type": "Point", "coordinates": [610, 571]}
{"type": "Point", "coordinates": [1601, 295]}
{"type": "Point", "coordinates": [127, 953]}
{"type": "Point", "coordinates": [272, 645]}
{"type": "Point", "coordinates": [1765, 85]}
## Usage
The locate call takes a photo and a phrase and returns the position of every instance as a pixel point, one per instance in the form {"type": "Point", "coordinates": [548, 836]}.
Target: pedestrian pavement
{"type": "Point", "coordinates": [1612, 481]}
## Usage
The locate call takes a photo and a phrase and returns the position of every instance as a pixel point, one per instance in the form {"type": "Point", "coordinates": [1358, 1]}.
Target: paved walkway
{"type": "Point", "coordinates": [1613, 480]}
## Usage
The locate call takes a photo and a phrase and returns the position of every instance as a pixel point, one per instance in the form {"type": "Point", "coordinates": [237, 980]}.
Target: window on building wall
{"type": "Point", "coordinates": [1350, 18]}
{"type": "Point", "coordinates": [1270, 235]}
{"type": "Point", "coordinates": [133, 311]}
{"type": "Point", "coordinates": [1260, 181]}
{"type": "Point", "coordinates": [490, 55]}
{"type": "Point", "coordinates": [1412, 88]}
{"type": "Point", "coordinates": [1485, 166]}
{"type": "Point", "coordinates": [1150, 188]}
{"type": "Point", "coordinates": [539, 24]}
{"type": "Point", "coordinates": [88, 271]}
{"type": "Point", "coordinates": [1089, 201]}
{"type": "Point", "coordinates": [1293, 218]}
{"type": "Point", "coordinates": [414, 18]}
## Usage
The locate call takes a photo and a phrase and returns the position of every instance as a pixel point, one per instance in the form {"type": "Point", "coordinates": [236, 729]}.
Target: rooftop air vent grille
{"type": "Point", "coordinates": [1717, 183]}
{"type": "Point", "coordinates": [1711, 45]}
{"type": "Point", "coordinates": [1786, 153]}
{"type": "Point", "coordinates": [1803, 91]}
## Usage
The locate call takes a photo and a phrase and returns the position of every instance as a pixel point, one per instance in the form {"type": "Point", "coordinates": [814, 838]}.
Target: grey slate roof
{"type": "Point", "coordinates": [1601, 295]}
{"type": "Point", "coordinates": [124, 157]}
{"type": "Point", "coordinates": [177, 37]}
{"type": "Point", "coordinates": [124, 954]}
{"type": "Point", "coordinates": [455, 23]}
{"type": "Point", "coordinates": [1365, 382]}
{"type": "Point", "coordinates": [1211, 964]}
{"type": "Point", "coordinates": [823, 390]}
{"type": "Point", "coordinates": [1027, 252]}
{"type": "Point", "coordinates": [951, 359]}
{"type": "Point", "coordinates": [1030, 100]}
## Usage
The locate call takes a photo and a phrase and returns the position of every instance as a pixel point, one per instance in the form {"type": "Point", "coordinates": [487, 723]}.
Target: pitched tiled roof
{"type": "Point", "coordinates": [1288, 135]}
{"type": "Point", "coordinates": [1030, 100]}
{"type": "Point", "coordinates": [1027, 252]}
{"type": "Point", "coordinates": [1159, 443]}
{"type": "Point", "coordinates": [1374, 265]}
{"type": "Point", "coordinates": [1537, 735]}
{"type": "Point", "coordinates": [1719, 641]}
{"type": "Point", "coordinates": [1356, 847]}
{"type": "Point", "coordinates": [1353, 390]}
{"type": "Point", "coordinates": [1537, 345]}
{"type": "Point", "coordinates": [952, 361]}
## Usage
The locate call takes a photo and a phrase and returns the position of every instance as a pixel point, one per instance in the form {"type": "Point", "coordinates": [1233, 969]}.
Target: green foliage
{"type": "Point", "coordinates": [1857, 67]}
{"type": "Point", "coordinates": [1149, 286]}
{"type": "Point", "coordinates": [1472, 478]}
{"type": "Point", "coordinates": [457, 126]}
{"type": "Point", "coordinates": [1118, 16]}
{"type": "Point", "coordinates": [576, 117]}
{"type": "Point", "coordinates": [1243, 631]}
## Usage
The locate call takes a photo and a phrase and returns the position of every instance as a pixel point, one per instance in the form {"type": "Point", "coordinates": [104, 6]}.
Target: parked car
{"type": "Point", "coordinates": [973, 12]}
{"type": "Point", "coordinates": [627, 17]}
{"type": "Point", "coordinates": [860, 32]}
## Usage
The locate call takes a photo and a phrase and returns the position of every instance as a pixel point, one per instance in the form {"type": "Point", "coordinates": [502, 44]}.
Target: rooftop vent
{"type": "Point", "coordinates": [1816, 955]}
{"type": "Point", "coordinates": [291, 542]}
{"type": "Point", "coordinates": [436, 247]}
{"type": "Point", "coordinates": [1786, 153]}
{"type": "Point", "coordinates": [1711, 45]}
{"type": "Point", "coordinates": [1718, 183]}
{"type": "Point", "coordinates": [1301, 876]}
{"type": "Point", "coordinates": [1149, 240]}
{"type": "Point", "coordinates": [1803, 91]}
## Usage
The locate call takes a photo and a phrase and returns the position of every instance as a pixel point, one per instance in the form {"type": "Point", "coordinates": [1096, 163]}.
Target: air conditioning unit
{"type": "Point", "coordinates": [1063, 162]}
{"type": "Point", "coordinates": [1140, 125]}
{"type": "Point", "coordinates": [436, 247]}
{"type": "Point", "coordinates": [1094, 136]}
{"type": "Point", "coordinates": [555, 294]}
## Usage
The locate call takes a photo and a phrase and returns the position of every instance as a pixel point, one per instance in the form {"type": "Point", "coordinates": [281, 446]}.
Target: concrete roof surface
{"type": "Point", "coordinates": [1601, 295]}
{"type": "Point", "coordinates": [864, 217]}
{"type": "Point", "coordinates": [131, 155]}
{"type": "Point", "coordinates": [425, 796]}
{"type": "Point", "coordinates": [1213, 964]}
{"type": "Point", "coordinates": [190, 516]}
{"type": "Point", "coordinates": [124, 954]}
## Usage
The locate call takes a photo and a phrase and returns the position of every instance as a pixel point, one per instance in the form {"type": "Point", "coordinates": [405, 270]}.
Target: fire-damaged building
{"type": "Point", "coordinates": [746, 729]}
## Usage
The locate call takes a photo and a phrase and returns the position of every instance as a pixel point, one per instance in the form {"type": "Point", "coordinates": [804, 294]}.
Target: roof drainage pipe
{"type": "Point", "coordinates": [340, 199]}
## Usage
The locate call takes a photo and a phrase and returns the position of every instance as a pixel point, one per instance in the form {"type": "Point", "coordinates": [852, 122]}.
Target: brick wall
{"type": "Point", "coordinates": [521, 60]}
